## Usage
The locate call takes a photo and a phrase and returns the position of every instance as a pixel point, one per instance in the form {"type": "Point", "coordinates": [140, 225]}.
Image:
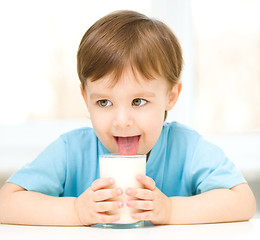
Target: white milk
{"type": "Point", "coordinates": [124, 170]}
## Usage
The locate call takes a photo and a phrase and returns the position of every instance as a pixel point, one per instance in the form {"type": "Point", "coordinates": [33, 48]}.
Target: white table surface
{"type": "Point", "coordinates": [241, 230]}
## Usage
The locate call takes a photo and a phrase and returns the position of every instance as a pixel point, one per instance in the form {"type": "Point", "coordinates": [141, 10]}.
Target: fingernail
{"type": "Point", "coordinates": [139, 177]}
{"type": "Point", "coordinates": [129, 203]}
{"type": "Point", "coordinates": [116, 217]}
{"type": "Point", "coordinates": [120, 204]}
{"type": "Point", "coordinates": [111, 180]}
{"type": "Point", "coordinates": [119, 191]}
{"type": "Point", "coordinates": [128, 191]}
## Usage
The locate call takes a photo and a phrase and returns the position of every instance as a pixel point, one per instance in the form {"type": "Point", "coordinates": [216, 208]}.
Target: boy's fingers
{"type": "Point", "coordinates": [146, 215]}
{"type": "Point", "coordinates": [146, 181]}
{"type": "Point", "coordinates": [102, 183]}
{"type": "Point", "coordinates": [108, 206]}
{"type": "Point", "coordinates": [105, 194]}
{"type": "Point", "coordinates": [104, 218]}
{"type": "Point", "coordinates": [141, 205]}
{"type": "Point", "coordinates": [144, 194]}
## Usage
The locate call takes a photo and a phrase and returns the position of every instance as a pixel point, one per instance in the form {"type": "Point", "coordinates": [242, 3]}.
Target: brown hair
{"type": "Point", "coordinates": [128, 38]}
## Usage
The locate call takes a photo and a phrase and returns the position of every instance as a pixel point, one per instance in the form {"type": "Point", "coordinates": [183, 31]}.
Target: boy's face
{"type": "Point", "coordinates": [128, 116]}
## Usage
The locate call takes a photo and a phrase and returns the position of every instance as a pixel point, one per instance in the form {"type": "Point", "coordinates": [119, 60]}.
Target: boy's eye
{"type": "Point", "coordinates": [139, 102]}
{"type": "Point", "coordinates": [104, 103]}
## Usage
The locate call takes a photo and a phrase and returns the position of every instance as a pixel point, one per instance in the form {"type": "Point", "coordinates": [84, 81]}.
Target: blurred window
{"type": "Point", "coordinates": [227, 63]}
{"type": "Point", "coordinates": [38, 45]}
{"type": "Point", "coordinates": [39, 41]}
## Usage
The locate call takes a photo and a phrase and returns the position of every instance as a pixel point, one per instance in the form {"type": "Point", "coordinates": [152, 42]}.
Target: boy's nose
{"type": "Point", "coordinates": [123, 118]}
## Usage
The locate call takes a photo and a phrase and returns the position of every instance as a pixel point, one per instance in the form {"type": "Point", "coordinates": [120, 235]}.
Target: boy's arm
{"type": "Point", "coordinates": [218, 205]}
{"type": "Point", "coordinates": [19, 206]}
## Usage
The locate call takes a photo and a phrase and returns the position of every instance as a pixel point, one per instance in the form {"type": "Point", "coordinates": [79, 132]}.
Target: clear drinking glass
{"type": "Point", "coordinates": [123, 169]}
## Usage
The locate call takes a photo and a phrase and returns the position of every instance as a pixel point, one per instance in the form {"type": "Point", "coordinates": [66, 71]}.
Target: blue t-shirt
{"type": "Point", "coordinates": [182, 163]}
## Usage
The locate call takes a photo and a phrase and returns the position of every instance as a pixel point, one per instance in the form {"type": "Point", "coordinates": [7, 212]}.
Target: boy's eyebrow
{"type": "Point", "coordinates": [98, 95]}
{"type": "Point", "coordinates": [145, 94]}
{"type": "Point", "coordinates": [138, 94]}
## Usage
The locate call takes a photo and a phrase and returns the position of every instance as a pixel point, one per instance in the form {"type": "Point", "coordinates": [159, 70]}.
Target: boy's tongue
{"type": "Point", "coordinates": [128, 145]}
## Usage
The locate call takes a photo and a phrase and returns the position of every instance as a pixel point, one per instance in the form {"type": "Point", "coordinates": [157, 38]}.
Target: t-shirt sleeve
{"type": "Point", "coordinates": [46, 174]}
{"type": "Point", "coordinates": [211, 169]}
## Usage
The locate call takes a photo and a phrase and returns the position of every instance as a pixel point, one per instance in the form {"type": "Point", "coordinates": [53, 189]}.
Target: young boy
{"type": "Point", "coordinates": [129, 67]}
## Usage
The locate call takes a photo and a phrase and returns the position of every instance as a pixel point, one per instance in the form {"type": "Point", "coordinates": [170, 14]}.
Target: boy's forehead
{"type": "Point", "coordinates": [128, 77]}
{"type": "Point", "coordinates": [126, 87]}
{"type": "Point", "coordinates": [110, 83]}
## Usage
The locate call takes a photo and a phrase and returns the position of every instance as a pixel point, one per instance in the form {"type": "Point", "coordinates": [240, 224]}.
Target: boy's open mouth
{"type": "Point", "coordinates": [127, 145]}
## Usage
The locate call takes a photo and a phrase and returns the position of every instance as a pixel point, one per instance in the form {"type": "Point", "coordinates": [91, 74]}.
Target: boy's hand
{"type": "Point", "coordinates": [155, 206]}
{"type": "Point", "coordinates": [94, 202]}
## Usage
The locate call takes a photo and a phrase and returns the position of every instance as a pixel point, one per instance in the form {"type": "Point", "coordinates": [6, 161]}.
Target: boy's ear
{"type": "Point", "coordinates": [84, 95]}
{"type": "Point", "coordinates": [173, 96]}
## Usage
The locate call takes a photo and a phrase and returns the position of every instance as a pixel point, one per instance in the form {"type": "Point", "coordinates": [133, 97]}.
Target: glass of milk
{"type": "Point", "coordinates": [123, 169]}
